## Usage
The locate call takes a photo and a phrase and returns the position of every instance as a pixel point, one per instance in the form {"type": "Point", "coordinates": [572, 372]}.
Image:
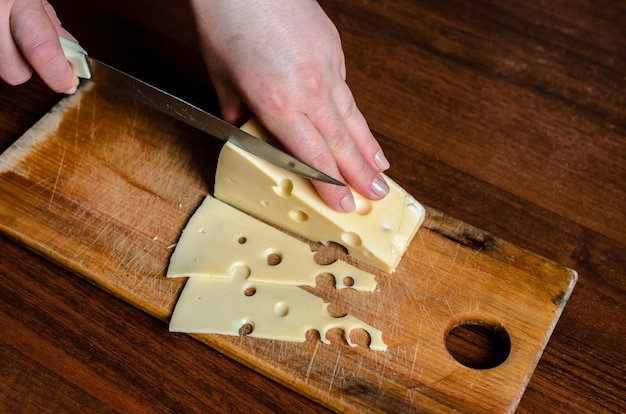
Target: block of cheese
{"type": "Point", "coordinates": [377, 233]}
{"type": "Point", "coordinates": [263, 310]}
{"type": "Point", "coordinates": [219, 238]}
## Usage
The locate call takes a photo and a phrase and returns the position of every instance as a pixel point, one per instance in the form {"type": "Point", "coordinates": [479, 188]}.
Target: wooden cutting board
{"type": "Point", "coordinates": [104, 186]}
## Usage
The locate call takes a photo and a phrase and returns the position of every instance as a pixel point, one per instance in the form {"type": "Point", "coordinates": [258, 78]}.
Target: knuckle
{"type": "Point", "coordinates": [346, 105]}
{"type": "Point", "coordinates": [341, 141]}
{"type": "Point", "coordinates": [42, 51]}
{"type": "Point", "coordinates": [312, 81]}
{"type": "Point", "coordinates": [322, 159]}
{"type": "Point", "coordinates": [347, 108]}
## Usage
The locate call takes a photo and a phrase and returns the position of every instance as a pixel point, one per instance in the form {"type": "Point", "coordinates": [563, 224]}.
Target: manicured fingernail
{"type": "Point", "coordinates": [347, 204]}
{"type": "Point", "coordinates": [381, 161]}
{"type": "Point", "coordinates": [380, 187]}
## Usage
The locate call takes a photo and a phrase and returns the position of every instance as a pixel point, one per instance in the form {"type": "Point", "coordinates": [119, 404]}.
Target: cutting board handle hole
{"type": "Point", "coordinates": [477, 344]}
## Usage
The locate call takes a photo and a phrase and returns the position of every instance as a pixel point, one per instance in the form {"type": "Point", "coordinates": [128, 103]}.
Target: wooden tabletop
{"type": "Point", "coordinates": [516, 116]}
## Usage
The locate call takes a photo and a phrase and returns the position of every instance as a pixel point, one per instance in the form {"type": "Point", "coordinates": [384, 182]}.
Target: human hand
{"type": "Point", "coordinates": [283, 61]}
{"type": "Point", "coordinates": [29, 40]}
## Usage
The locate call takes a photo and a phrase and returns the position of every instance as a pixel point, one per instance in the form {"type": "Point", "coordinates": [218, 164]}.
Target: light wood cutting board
{"type": "Point", "coordinates": [104, 186]}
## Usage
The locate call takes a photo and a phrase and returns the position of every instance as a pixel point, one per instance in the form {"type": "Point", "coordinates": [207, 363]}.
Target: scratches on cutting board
{"type": "Point", "coordinates": [308, 370]}
{"type": "Point", "coordinates": [414, 359]}
{"type": "Point", "coordinates": [383, 374]}
{"type": "Point", "coordinates": [76, 123]}
{"type": "Point", "coordinates": [56, 181]}
{"type": "Point", "coordinates": [334, 374]}
{"type": "Point", "coordinates": [92, 121]}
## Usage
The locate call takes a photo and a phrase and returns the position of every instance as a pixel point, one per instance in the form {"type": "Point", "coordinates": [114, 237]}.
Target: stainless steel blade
{"type": "Point", "coordinates": [101, 73]}
{"type": "Point", "coordinates": [202, 120]}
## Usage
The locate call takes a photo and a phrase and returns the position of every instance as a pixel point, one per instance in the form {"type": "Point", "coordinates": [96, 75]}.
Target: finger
{"type": "Point", "coordinates": [302, 139]}
{"type": "Point", "coordinates": [232, 108]}
{"type": "Point", "coordinates": [14, 69]}
{"type": "Point", "coordinates": [351, 153]}
{"type": "Point", "coordinates": [365, 140]}
{"type": "Point", "coordinates": [36, 37]}
{"type": "Point", "coordinates": [358, 129]}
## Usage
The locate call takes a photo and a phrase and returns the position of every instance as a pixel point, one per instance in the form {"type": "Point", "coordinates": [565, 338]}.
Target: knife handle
{"type": "Point", "coordinates": [77, 56]}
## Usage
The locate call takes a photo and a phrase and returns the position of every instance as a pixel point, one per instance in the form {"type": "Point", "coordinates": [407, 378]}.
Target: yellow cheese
{"type": "Point", "coordinates": [219, 238]}
{"type": "Point", "coordinates": [377, 233]}
{"type": "Point", "coordinates": [271, 311]}
{"type": "Point", "coordinates": [244, 273]}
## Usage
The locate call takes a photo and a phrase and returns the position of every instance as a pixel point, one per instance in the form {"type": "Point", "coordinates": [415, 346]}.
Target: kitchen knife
{"type": "Point", "coordinates": [87, 67]}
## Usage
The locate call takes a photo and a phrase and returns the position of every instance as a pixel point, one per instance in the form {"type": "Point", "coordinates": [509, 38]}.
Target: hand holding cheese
{"type": "Point", "coordinates": [245, 275]}
{"type": "Point", "coordinates": [283, 61]}
{"type": "Point", "coordinates": [29, 40]}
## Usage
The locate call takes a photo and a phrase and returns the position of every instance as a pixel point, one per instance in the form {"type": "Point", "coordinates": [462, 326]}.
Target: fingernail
{"type": "Point", "coordinates": [347, 204]}
{"type": "Point", "coordinates": [71, 90]}
{"type": "Point", "coordinates": [381, 161]}
{"type": "Point", "coordinates": [380, 187]}
{"type": "Point", "coordinates": [74, 88]}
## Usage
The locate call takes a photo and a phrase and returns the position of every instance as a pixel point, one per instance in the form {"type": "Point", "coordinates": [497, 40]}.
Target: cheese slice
{"type": "Point", "coordinates": [377, 233]}
{"type": "Point", "coordinates": [219, 238]}
{"type": "Point", "coordinates": [270, 311]}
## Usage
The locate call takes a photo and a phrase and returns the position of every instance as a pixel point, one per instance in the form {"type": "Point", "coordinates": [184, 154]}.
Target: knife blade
{"type": "Point", "coordinates": [87, 67]}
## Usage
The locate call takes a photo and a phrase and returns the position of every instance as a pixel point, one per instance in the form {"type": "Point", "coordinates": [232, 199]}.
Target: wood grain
{"type": "Point", "coordinates": [513, 119]}
{"type": "Point", "coordinates": [68, 346]}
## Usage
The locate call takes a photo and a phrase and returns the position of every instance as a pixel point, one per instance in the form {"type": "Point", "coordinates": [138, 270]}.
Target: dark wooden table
{"type": "Point", "coordinates": [516, 113]}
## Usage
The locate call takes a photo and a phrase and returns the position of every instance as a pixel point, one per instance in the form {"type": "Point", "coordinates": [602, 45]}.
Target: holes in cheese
{"type": "Point", "coordinates": [363, 206]}
{"type": "Point", "coordinates": [219, 237]}
{"type": "Point", "coordinates": [298, 216]}
{"type": "Point", "coordinates": [244, 275]}
{"type": "Point", "coordinates": [246, 328]}
{"type": "Point", "coordinates": [274, 311]}
{"type": "Point", "coordinates": [274, 259]}
{"type": "Point", "coordinates": [377, 232]}
{"type": "Point", "coordinates": [281, 309]}
{"type": "Point", "coordinates": [244, 278]}
{"type": "Point", "coordinates": [351, 239]}
{"type": "Point", "coordinates": [329, 253]}
{"type": "Point", "coordinates": [284, 188]}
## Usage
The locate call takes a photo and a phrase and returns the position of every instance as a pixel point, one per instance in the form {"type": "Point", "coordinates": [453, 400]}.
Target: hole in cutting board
{"type": "Point", "coordinates": [477, 344]}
